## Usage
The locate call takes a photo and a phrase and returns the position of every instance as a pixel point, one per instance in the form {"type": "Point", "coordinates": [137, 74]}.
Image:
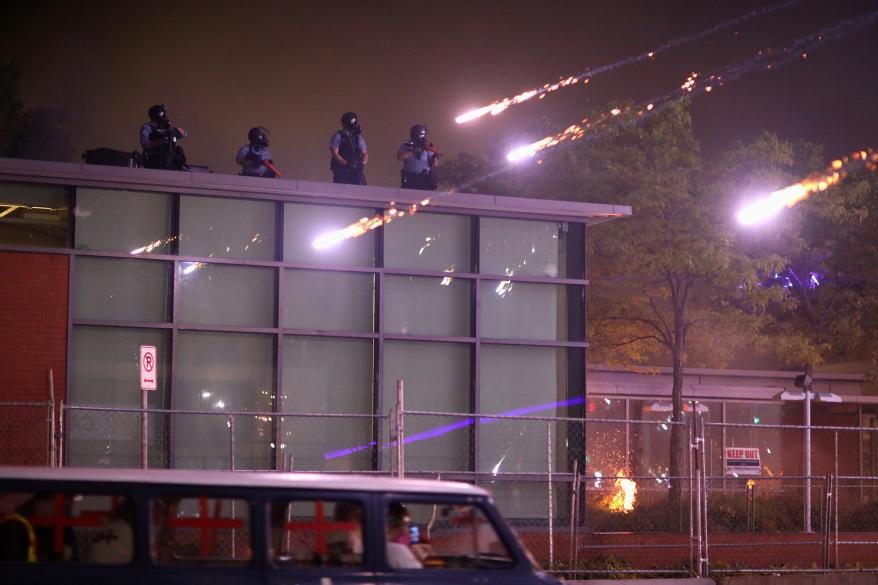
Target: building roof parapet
{"type": "Point", "coordinates": [222, 185]}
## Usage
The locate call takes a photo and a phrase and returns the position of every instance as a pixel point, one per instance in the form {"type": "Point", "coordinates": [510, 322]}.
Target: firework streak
{"type": "Point", "coordinates": [500, 106]}
{"type": "Point", "coordinates": [697, 83]}
{"type": "Point", "coordinates": [770, 205]}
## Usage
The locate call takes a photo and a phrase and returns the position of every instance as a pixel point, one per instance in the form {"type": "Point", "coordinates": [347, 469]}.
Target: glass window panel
{"type": "Point", "coordinates": [316, 533]}
{"type": "Point", "coordinates": [122, 290]}
{"type": "Point", "coordinates": [218, 294]}
{"type": "Point", "coordinates": [437, 379]}
{"type": "Point", "coordinates": [522, 247]}
{"type": "Point", "coordinates": [313, 382]}
{"type": "Point", "coordinates": [605, 441]}
{"type": "Point", "coordinates": [429, 241]}
{"type": "Point", "coordinates": [769, 441]}
{"type": "Point", "coordinates": [34, 215]}
{"type": "Point", "coordinates": [106, 372]}
{"type": "Point", "coordinates": [93, 529]}
{"type": "Point", "coordinates": [123, 221]}
{"type": "Point", "coordinates": [304, 223]}
{"type": "Point", "coordinates": [223, 372]}
{"type": "Point", "coordinates": [650, 443]}
{"type": "Point", "coordinates": [427, 305]}
{"type": "Point", "coordinates": [518, 380]}
{"type": "Point", "coordinates": [201, 531]}
{"type": "Point", "coordinates": [524, 310]}
{"type": "Point", "coordinates": [227, 228]}
{"type": "Point", "coordinates": [328, 301]}
{"type": "Point", "coordinates": [442, 536]}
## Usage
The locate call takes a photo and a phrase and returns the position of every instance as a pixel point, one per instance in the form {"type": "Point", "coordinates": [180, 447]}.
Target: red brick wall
{"type": "Point", "coordinates": [33, 338]}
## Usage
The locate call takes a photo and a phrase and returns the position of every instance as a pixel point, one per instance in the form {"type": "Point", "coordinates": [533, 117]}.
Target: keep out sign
{"type": "Point", "coordinates": [742, 461]}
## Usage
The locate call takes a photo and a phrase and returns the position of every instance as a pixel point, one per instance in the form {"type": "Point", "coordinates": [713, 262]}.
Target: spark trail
{"type": "Point", "coordinates": [698, 83]}
{"type": "Point", "coordinates": [770, 205]}
{"type": "Point", "coordinates": [500, 106]}
{"type": "Point", "coordinates": [591, 128]}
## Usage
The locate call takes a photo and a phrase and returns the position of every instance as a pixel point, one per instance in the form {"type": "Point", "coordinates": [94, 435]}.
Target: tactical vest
{"type": "Point", "coordinates": [348, 149]}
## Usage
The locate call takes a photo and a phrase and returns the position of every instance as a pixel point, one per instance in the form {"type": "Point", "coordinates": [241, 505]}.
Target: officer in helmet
{"type": "Point", "coordinates": [349, 153]}
{"type": "Point", "coordinates": [158, 138]}
{"type": "Point", "coordinates": [254, 158]}
{"type": "Point", "coordinates": [418, 157]}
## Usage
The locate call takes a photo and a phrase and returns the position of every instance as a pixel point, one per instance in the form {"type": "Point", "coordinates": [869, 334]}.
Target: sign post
{"type": "Point", "coordinates": [148, 383]}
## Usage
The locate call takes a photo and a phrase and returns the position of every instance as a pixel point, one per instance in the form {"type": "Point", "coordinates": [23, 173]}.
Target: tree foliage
{"type": "Point", "coordinates": [34, 133]}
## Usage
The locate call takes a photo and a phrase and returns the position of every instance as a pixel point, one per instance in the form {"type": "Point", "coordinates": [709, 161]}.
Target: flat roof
{"type": "Point", "coordinates": [255, 479]}
{"type": "Point", "coordinates": [220, 185]}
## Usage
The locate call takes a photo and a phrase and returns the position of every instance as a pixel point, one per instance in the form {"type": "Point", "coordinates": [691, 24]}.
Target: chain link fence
{"type": "Point", "coordinates": [590, 498]}
{"type": "Point", "coordinates": [27, 433]}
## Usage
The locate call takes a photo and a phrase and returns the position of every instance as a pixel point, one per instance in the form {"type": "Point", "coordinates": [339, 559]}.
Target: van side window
{"type": "Point", "coordinates": [200, 531]}
{"type": "Point", "coordinates": [59, 526]}
{"type": "Point", "coordinates": [442, 536]}
{"type": "Point", "coordinates": [316, 533]}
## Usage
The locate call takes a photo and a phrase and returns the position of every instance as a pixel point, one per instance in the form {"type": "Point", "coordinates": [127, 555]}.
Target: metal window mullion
{"type": "Point", "coordinates": [378, 352]}
{"type": "Point", "coordinates": [475, 370]}
{"type": "Point", "coordinates": [280, 296]}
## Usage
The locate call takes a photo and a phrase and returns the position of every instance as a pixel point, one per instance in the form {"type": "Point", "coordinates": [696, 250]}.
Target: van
{"type": "Point", "coordinates": [155, 527]}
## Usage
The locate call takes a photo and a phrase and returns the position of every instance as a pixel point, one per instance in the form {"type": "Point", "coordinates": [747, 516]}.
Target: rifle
{"type": "Point", "coordinates": [272, 168]}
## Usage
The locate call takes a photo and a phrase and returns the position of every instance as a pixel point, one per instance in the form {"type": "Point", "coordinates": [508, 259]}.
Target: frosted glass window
{"type": "Point", "coordinates": [514, 381]}
{"type": "Point", "coordinates": [34, 215]}
{"type": "Point", "coordinates": [650, 443]}
{"type": "Point", "coordinates": [218, 294]}
{"type": "Point", "coordinates": [436, 378]}
{"type": "Point", "coordinates": [227, 228]}
{"type": "Point", "coordinates": [327, 375]}
{"type": "Point", "coordinates": [122, 290]}
{"type": "Point", "coordinates": [429, 241]}
{"type": "Point", "coordinates": [222, 373]}
{"type": "Point", "coordinates": [106, 372]}
{"type": "Point", "coordinates": [524, 310]}
{"type": "Point", "coordinates": [522, 247]}
{"type": "Point", "coordinates": [304, 223]}
{"type": "Point", "coordinates": [328, 301]}
{"type": "Point", "coordinates": [427, 305]}
{"type": "Point", "coordinates": [123, 221]}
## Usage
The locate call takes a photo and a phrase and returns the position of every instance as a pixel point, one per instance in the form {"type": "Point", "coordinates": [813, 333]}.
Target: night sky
{"type": "Point", "coordinates": [294, 67]}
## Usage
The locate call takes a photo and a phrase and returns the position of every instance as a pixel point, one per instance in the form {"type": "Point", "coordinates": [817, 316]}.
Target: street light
{"type": "Point", "coordinates": [807, 395]}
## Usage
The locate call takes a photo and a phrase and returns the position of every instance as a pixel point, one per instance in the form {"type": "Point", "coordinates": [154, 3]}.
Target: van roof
{"type": "Point", "coordinates": [256, 479]}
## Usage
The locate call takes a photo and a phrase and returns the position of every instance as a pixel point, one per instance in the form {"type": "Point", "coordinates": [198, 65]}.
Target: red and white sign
{"type": "Point", "coordinates": [148, 368]}
{"type": "Point", "coordinates": [742, 461]}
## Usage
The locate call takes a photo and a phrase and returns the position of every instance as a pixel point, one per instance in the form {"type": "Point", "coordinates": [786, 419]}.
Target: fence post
{"type": "Point", "coordinates": [231, 442]}
{"type": "Point", "coordinates": [573, 491]}
{"type": "Point", "coordinates": [51, 420]}
{"type": "Point", "coordinates": [400, 429]}
{"type": "Point", "coordinates": [706, 571]}
{"type": "Point", "coordinates": [835, 500]}
{"type": "Point", "coordinates": [826, 520]}
{"type": "Point", "coordinates": [692, 494]}
{"type": "Point", "coordinates": [549, 490]}
{"type": "Point", "coordinates": [61, 434]}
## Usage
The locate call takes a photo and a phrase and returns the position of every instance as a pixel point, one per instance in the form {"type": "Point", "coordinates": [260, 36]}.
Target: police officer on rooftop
{"type": "Point", "coordinates": [349, 152]}
{"type": "Point", "coordinates": [254, 158]}
{"type": "Point", "coordinates": [419, 156]}
{"type": "Point", "coordinates": [158, 138]}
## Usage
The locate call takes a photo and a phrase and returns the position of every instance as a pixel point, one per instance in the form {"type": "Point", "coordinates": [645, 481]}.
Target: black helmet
{"type": "Point", "coordinates": [418, 133]}
{"type": "Point", "coordinates": [157, 113]}
{"type": "Point", "coordinates": [259, 136]}
{"type": "Point", "coordinates": [350, 121]}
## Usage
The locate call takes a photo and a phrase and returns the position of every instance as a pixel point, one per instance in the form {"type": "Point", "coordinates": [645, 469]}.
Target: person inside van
{"type": "Point", "coordinates": [399, 551]}
{"type": "Point", "coordinates": [345, 544]}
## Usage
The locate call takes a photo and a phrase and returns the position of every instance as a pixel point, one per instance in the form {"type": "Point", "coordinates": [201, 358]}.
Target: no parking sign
{"type": "Point", "coordinates": [148, 367]}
